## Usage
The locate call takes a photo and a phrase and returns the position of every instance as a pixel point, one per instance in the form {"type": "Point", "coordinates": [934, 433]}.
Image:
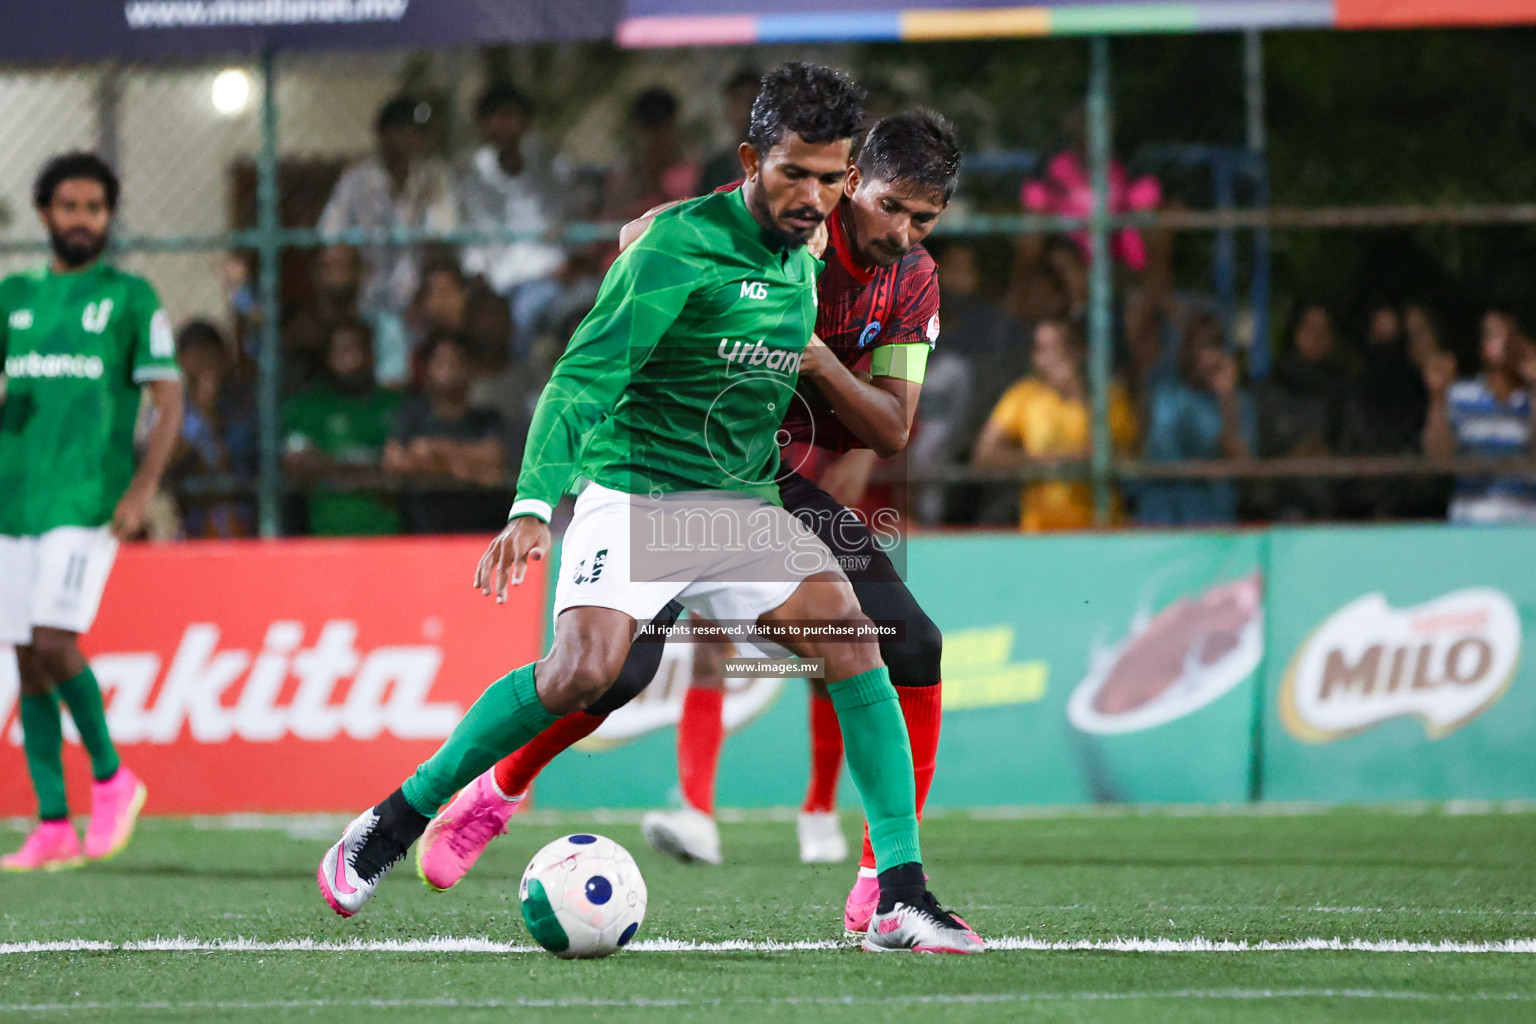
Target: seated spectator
{"type": "Point", "coordinates": [336, 288]}
{"type": "Point", "coordinates": [1421, 334]}
{"type": "Point", "coordinates": [1300, 410]}
{"type": "Point", "coordinates": [399, 187]}
{"type": "Point", "coordinates": [983, 350]}
{"type": "Point", "coordinates": [654, 169]}
{"type": "Point", "coordinates": [1384, 412]}
{"type": "Point", "coordinates": [216, 452]}
{"type": "Point", "coordinates": [334, 438]}
{"type": "Point", "coordinates": [1199, 414]}
{"type": "Point", "coordinates": [1488, 415]}
{"type": "Point", "coordinates": [439, 305]}
{"type": "Point", "coordinates": [1044, 419]}
{"type": "Point", "coordinates": [499, 381]}
{"type": "Point", "coordinates": [440, 439]}
{"type": "Point", "coordinates": [509, 184]}
{"type": "Point", "coordinates": [1048, 279]}
{"type": "Point", "coordinates": [724, 167]}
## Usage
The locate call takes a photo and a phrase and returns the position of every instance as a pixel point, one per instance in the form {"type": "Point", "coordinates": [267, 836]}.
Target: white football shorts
{"type": "Point", "coordinates": [54, 580]}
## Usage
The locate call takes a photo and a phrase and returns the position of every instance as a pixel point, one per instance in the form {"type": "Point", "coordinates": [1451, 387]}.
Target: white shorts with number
{"type": "Point", "coordinates": [726, 557]}
{"type": "Point", "coordinates": [54, 580]}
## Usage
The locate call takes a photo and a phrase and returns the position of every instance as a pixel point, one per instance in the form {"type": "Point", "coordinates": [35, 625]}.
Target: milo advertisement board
{"type": "Point", "coordinates": [1076, 669]}
{"type": "Point", "coordinates": [1093, 668]}
{"type": "Point", "coordinates": [1397, 668]}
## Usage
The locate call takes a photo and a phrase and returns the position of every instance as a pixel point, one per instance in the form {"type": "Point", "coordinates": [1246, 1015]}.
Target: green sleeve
{"type": "Point", "coordinates": [154, 343]}
{"type": "Point", "coordinates": [640, 298]}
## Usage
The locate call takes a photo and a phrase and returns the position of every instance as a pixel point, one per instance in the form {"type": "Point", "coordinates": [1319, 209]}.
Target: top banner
{"type": "Point", "coordinates": [81, 29]}
{"type": "Point", "coordinates": [740, 22]}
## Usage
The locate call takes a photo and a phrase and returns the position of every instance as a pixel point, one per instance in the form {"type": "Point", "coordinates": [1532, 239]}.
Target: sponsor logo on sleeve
{"type": "Point", "coordinates": [933, 329]}
{"type": "Point", "coordinates": [1443, 662]}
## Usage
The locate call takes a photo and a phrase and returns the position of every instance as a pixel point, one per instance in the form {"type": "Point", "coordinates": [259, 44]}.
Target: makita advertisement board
{"type": "Point", "coordinates": [286, 676]}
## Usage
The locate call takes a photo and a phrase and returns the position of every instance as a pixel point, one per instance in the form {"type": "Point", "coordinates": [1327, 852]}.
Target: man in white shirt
{"type": "Point", "coordinates": [398, 187]}
{"type": "Point", "coordinates": [508, 184]}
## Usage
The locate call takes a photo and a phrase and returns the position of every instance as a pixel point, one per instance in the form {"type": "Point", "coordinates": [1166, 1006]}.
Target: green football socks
{"type": "Point", "coordinates": [507, 715]}
{"type": "Point", "coordinates": [880, 761]}
{"type": "Point", "coordinates": [82, 696]}
{"type": "Point", "coordinates": [42, 731]}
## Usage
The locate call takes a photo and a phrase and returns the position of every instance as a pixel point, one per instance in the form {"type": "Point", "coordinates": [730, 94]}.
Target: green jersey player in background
{"type": "Point", "coordinates": [81, 340]}
{"type": "Point", "coordinates": [664, 414]}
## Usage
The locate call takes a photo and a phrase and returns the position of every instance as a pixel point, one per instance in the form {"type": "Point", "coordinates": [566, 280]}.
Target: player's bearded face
{"type": "Point", "coordinates": [796, 185]}
{"type": "Point", "coordinates": [77, 220]}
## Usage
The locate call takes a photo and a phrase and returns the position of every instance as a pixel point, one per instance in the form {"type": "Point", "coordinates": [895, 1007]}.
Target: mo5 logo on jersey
{"type": "Point", "coordinates": [754, 290]}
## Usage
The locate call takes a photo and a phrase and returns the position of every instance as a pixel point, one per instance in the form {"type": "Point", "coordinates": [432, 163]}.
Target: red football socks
{"type": "Point", "coordinates": [516, 772]}
{"type": "Point", "coordinates": [920, 706]}
{"type": "Point", "coordinates": [826, 756]}
{"type": "Point", "coordinates": [699, 735]}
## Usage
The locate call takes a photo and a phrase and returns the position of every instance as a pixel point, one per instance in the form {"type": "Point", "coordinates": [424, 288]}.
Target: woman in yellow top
{"type": "Point", "coordinates": [1045, 418]}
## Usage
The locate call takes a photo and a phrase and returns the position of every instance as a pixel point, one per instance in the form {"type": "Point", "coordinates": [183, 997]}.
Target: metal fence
{"type": "Point", "coordinates": [226, 163]}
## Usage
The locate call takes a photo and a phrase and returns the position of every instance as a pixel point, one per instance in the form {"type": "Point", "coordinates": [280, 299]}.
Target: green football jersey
{"type": "Point", "coordinates": [680, 376]}
{"type": "Point", "coordinates": [77, 348]}
{"type": "Point", "coordinates": [351, 429]}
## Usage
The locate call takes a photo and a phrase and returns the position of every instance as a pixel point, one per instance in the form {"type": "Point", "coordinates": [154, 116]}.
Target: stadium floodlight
{"type": "Point", "coordinates": [231, 91]}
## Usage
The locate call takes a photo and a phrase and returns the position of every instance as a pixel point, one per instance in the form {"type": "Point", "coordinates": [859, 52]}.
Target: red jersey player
{"type": "Point", "coordinates": [877, 321]}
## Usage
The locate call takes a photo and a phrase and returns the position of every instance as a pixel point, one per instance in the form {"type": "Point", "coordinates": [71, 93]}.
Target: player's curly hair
{"type": "Point", "coordinates": [918, 147]}
{"type": "Point", "coordinates": [68, 166]}
{"type": "Point", "coordinates": [817, 103]}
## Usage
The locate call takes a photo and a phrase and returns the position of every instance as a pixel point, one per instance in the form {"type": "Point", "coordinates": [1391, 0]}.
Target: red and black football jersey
{"type": "Point", "coordinates": [859, 311]}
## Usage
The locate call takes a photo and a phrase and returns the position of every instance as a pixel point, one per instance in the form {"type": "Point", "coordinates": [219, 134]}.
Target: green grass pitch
{"type": "Point", "coordinates": [1419, 876]}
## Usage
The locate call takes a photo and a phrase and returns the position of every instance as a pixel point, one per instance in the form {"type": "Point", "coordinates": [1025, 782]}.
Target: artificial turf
{"type": "Point", "coordinates": [1423, 876]}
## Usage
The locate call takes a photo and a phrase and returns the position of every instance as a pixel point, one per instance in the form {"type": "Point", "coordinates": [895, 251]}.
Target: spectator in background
{"type": "Point", "coordinates": [336, 288]}
{"type": "Point", "coordinates": [725, 167]}
{"type": "Point", "coordinates": [398, 187]}
{"type": "Point", "coordinates": [334, 438]}
{"type": "Point", "coordinates": [216, 451]}
{"type": "Point", "coordinates": [1301, 408]}
{"type": "Point", "coordinates": [451, 301]}
{"type": "Point", "coordinates": [499, 380]}
{"type": "Point", "coordinates": [440, 304]}
{"type": "Point", "coordinates": [1049, 279]}
{"type": "Point", "coordinates": [654, 170]}
{"type": "Point", "coordinates": [1199, 414]}
{"type": "Point", "coordinates": [1421, 335]}
{"type": "Point", "coordinates": [440, 439]}
{"type": "Point", "coordinates": [1488, 415]}
{"type": "Point", "coordinates": [510, 184]}
{"type": "Point", "coordinates": [1044, 419]}
{"type": "Point", "coordinates": [1384, 413]}
{"type": "Point", "coordinates": [984, 350]}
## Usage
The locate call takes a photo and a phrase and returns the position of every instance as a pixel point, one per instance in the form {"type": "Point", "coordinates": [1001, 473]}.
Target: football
{"type": "Point", "coordinates": [582, 897]}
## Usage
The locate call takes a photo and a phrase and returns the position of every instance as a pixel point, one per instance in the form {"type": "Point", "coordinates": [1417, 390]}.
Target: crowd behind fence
{"type": "Point", "coordinates": [376, 259]}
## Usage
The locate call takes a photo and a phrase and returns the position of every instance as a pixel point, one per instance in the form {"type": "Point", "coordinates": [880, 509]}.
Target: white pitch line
{"type": "Point", "coordinates": [448, 944]}
{"type": "Point", "coordinates": [638, 1002]}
